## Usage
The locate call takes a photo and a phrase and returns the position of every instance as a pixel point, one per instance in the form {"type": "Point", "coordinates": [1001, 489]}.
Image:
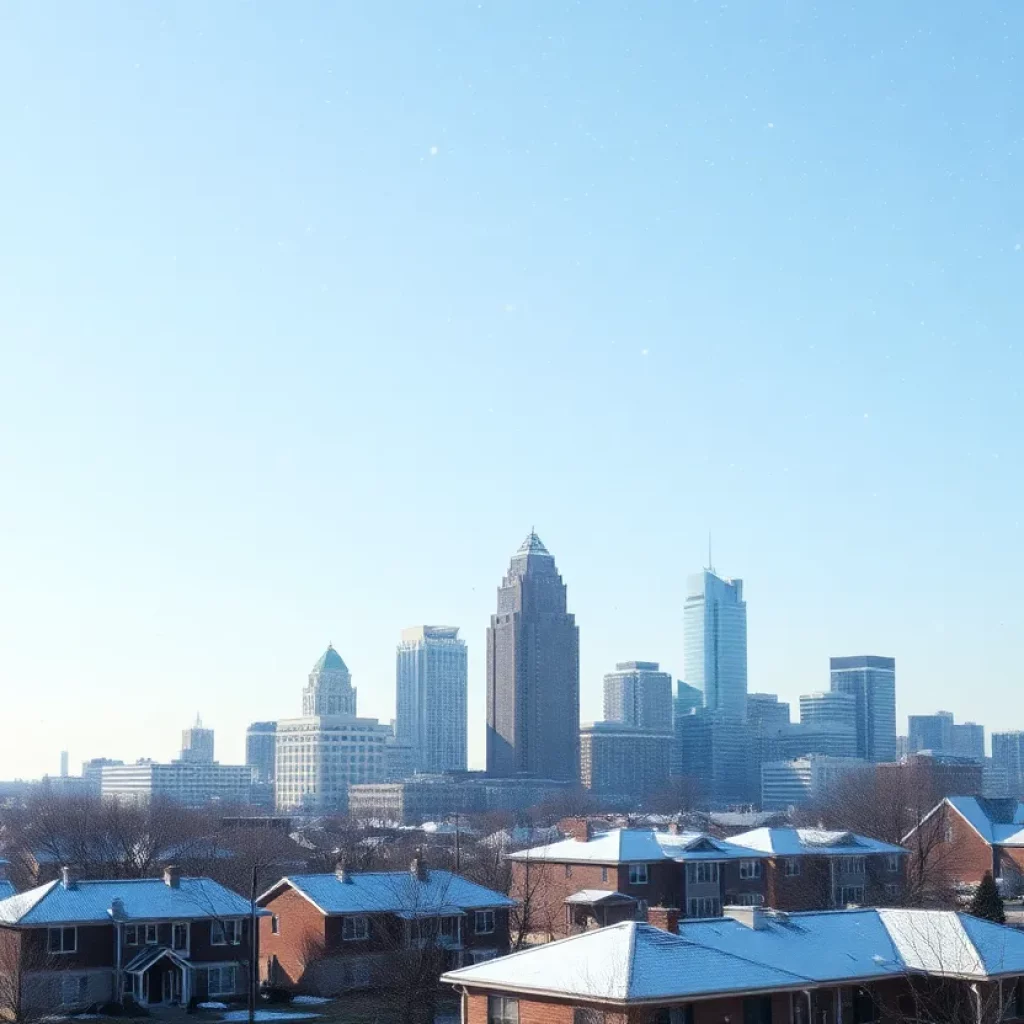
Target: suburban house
{"type": "Point", "coordinates": [329, 933]}
{"type": "Point", "coordinates": [819, 869]}
{"type": "Point", "coordinates": [962, 837]}
{"type": "Point", "coordinates": [72, 944]}
{"type": "Point", "coordinates": [757, 966]}
{"type": "Point", "coordinates": [593, 878]}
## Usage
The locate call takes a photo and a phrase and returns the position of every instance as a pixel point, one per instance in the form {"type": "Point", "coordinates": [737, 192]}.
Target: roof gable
{"type": "Point", "coordinates": [795, 842]}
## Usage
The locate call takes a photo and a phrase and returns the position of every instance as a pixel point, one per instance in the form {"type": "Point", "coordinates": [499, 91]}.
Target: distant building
{"type": "Point", "coordinates": [968, 740]}
{"type": "Point", "coordinates": [192, 783]}
{"type": "Point", "coordinates": [902, 747]}
{"type": "Point", "coordinates": [800, 739]}
{"type": "Point", "coordinates": [261, 750]}
{"type": "Point", "coordinates": [431, 704]}
{"type": "Point", "coordinates": [329, 690]}
{"type": "Point", "coordinates": [319, 756]}
{"type": "Point", "coordinates": [872, 681]}
{"type": "Point", "coordinates": [625, 760]}
{"type": "Point", "coordinates": [637, 693]}
{"type": "Point", "coordinates": [64, 764]}
{"type": "Point", "coordinates": [92, 770]}
{"type": "Point", "coordinates": [829, 706]}
{"type": "Point", "coordinates": [930, 732]}
{"type": "Point", "coordinates": [197, 744]}
{"type": "Point", "coordinates": [766, 713]}
{"type": "Point", "coordinates": [688, 698]}
{"type": "Point", "coordinates": [792, 783]}
{"type": "Point", "coordinates": [1008, 760]}
{"type": "Point", "coordinates": [931, 776]}
{"type": "Point", "coordinates": [533, 672]}
{"type": "Point", "coordinates": [399, 760]}
{"type": "Point", "coordinates": [715, 642]}
{"type": "Point", "coordinates": [715, 750]}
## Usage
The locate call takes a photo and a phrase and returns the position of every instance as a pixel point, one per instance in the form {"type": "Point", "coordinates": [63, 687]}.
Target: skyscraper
{"type": "Point", "coordinates": [872, 681]}
{"type": "Point", "coordinates": [688, 698]}
{"type": "Point", "coordinates": [329, 690]}
{"type": "Point", "coordinates": [533, 672]}
{"type": "Point", "coordinates": [930, 732]}
{"type": "Point", "coordinates": [715, 642]}
{"type": "Point", "coordinates": [969, 740]}
{"type": "Point", "coordinates": [261, 750]}
{"type": "Point", "coordinates": [1008, 760]}
{"type": "Point", "coordinates": [638, 694]}
{"type": "Point", "coordinates": [431, 683]}
{"type": "Point", "coordinates": [197, 744]}
{"type": "Point", "coordinates": [831, 706]}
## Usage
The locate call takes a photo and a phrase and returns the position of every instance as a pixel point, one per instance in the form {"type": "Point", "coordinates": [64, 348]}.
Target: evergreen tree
{"type": "Point", "coordinates": [987, 902]}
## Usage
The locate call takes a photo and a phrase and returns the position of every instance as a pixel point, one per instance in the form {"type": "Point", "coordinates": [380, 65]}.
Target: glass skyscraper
{"type": "Point", "coordinates": [872, 682]}
{"type": "Point", "coordinates": [715, 643]}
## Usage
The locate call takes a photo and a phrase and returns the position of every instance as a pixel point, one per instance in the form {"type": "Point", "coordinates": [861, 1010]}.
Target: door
{"type": "Point", "coordinates": [172, 986]}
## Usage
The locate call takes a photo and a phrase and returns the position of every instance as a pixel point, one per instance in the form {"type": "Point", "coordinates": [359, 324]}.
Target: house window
{"type": "Point", "coordinates": [131, 934]}
{"type": "Point", "coordinates": [484, 924]}
{"type": "Point", "coordinates": [856, 865]}
{"type": "Point", "coordinates": [750, 869]}
{"type": "Point", "coordinates": [226, 933]}
{"type": "Point", "coordinates": [150, 934]}
{"type": "Point", "coordinates": [674, 1015]}
{"type": "Point", "coordinates": [587, 1015]}
{"type": "Point", "coordinates": [62, 940]}
{"type": "Point", "coordinates": [850, 894]}
{"type": "Point", "coordinates": [502, 1010]}
{"type": "Point", "coordinates": [220, 981]}
{"type": "Point", "coordinates": [637, 874]}
{"type": "Point", "coordinates": [275, 924]}
{"type": "Point", "coordinates": [892, 891]}
{"type": "Point", "coordinates": [792, 868]}
{"type": "Point", "coordinates": [892, 863]}
{"type": "Point", "coordinates": [604, 874]}
{"type": "Point", "coordinates": [179, 936]}
{"type": "Point", "coordinates": [702, 871]}
{"type": "Point", "coordinates": [703, 906]}
{"type": "Point", "coordinates": [74, 990]}
{"type": "Point", "coordinates": [757, 1010]}
{"type": "Point", "coordinates": [355, 929]}
{"type": "Point", "coordinates": [568, 871]}
{"type": "Point", "coordinates": [748, 899]}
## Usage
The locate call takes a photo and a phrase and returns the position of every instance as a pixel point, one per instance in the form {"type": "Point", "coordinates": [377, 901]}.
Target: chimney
{"type": "Point", "coordinates": [665, 918]}
{"type": "Point", "coordinates": [172, 876]}
{"type": "Point", "coordinates": [418, 868]}
{"type": "Point", "coordinates": [752, 917]}
{"type": "Point", "coordinates": [341, 873]}
{"type": "Point", "coordinates": [576, 828]}
{"type": "Point", "coordinates": [67, 877]}
{"type": "Point", "coordinates": [117, 909]}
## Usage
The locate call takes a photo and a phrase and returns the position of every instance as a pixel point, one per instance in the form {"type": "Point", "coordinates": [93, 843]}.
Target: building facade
{"type": "Point", "coordinates": [930, 732]}
{"type": "Point", "coordinates": [624, 760]}
{"type": "Point", "coordinates": [715, 642]}
{"type": "Point", "coordinates": [872, 682]}
{"type": "Point", "coordinates": [805, 780]}
{"type": "Point", "coordinates": [637, 693]}
{"type": "Point", "coordinates": [829, 706]}
{"type": "Point", "coordinates": [329, 690]}
{"type": "Point", "coordinates": [261, 750]}
{"type": "Point", "coordinates": [716, 752]}
{"type": "Point", "coordinates": [968, 739]}
{"type": "Point", "coordinates": [431, 705]}
{"type": "Point", "coordinates": [1008, 761]}
{"type": "Point", "coordinates": [197, 744]}
{"type": "Point", "coordinates": [192, 783]}
{"type": "Point", "coordinates": [533, 675]}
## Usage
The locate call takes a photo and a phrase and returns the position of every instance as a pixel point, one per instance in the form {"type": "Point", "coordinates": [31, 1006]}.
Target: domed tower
{"type": "Point", "coordinates": [329, 690]}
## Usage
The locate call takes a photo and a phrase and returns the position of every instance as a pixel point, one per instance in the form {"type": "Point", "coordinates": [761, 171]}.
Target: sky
{"type": "Point", "coordinates": [310, 311]}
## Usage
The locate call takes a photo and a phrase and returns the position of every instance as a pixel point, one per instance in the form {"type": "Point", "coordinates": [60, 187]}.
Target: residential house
{"type": "Point", "coordinates": [75, 943]}
{"type": "Point", "coordinates": [759, 966]}
{"type": "Point", "coordinates": [328, 933]}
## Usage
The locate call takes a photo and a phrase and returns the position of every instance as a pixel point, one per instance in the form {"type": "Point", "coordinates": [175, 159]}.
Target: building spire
{"type": "Point", "coordinates": [711, 564]}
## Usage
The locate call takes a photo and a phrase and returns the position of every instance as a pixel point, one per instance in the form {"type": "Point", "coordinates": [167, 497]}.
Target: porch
{"type": "Point", "coordinates": [158, 976]}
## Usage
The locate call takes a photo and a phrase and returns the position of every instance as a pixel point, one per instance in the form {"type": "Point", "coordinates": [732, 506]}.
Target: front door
{"type": "Point", "coordinates": [171, 986]}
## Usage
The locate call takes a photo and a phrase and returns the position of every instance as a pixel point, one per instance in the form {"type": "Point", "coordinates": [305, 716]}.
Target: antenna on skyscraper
{"type": "Point", "coordinates": [711, 564]}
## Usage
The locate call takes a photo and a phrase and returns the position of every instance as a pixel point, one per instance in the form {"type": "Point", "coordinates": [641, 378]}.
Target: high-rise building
{"type": "Point", "coordinates": [261, 750]}
{"type": "Point", "coordinates": [197, 744]}
{"type": "Point", "coordinates": [687, 699]}
{"type": "Point", "coordinates": [800, 739]}
{"type": "Point", "coordinates": [431, 684]}
{"type": "Point", "coordinates": [930, 732]}
{"type": "Point", "coordinates": [624, 760]}
{"type": "Point", "coordinates": [637, 693]}
{"type": "Point", "coordinates": [329, 690]}
{"type": "Point", "coordinates": [766, 713]}
{"type": "Point", "coordinates": [872, 681]}
{"type": "Point", "coordinates": [829, 706]}
{"type": "Point", "coordinates": [715, 642]}
{"type": "Point", "coordinates": [533, 672]}
{"type": "Point", "coordinates": [969, 740]}
{"type": "Point", "coordinates": [63, 764]}
{"type": "Point", "coordinates": [715, 751]}
{"type": "Point", "coordinates": [787, 784]}
{"type": "Point", "coordinates": [1008, 761]}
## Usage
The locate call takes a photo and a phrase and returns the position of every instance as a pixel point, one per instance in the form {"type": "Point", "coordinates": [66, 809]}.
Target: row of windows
{"type": "Point", "coordinates": [356, 927]}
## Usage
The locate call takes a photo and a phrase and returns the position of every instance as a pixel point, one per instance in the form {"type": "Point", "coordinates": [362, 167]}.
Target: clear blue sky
{"type": "Point", "coordinates": [309, 311]}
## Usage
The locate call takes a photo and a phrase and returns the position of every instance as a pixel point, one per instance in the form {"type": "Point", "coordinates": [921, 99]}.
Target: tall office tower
{"type": "Point", "coordinates": [872, 681]}
{"type": "Point", "coordinates": [625, 760]}
{"type": "Point", "coordinates": [329, 690]}
{"type": "Point", "coordinates": [63, 764]}
{"type": "Point", "coordinates": [930, 732]}
{"type": "Point", "coordinates": [638, 694]}
{"type": "Point", "coordinates": [533, 672]}
{"type": "Point", "coordinates": [715, 751]}
{"type": "Point", "coordinates": [828, 706]}
{"type": "Point", "coordinates": [1008, 761]}
{"type": "Point", "coordinates": [688, 698]}
{"type": "Point", "coordinates": [261, 749]}
{"type": "Point", "coordinates": [431, 683]}
{"type": "Point", "coordinates": [197, 744]}
{"type": "Point", "coordinates": [715, 642]}
{"type": "Point", "coordinates": [766, 713]}
{"type": "Point", "coordinates": [969, 740]}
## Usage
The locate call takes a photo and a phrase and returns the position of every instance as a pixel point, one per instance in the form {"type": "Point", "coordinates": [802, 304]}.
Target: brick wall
{"type": "Point", "coordinates": [301, 929]}
{"type": "Point", "coordinates": [948, 850]}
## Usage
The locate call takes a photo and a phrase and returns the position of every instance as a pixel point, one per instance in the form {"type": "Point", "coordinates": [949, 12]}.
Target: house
{"type": "Point", "coordinates": [74, 943]}
{"type": "Point", "coordinates": [962, 837]}
{"type": "Point", "coordinates": [328, 933]}
{"type": "Point", "coordinates": [817, 869]}
{"type": "Point", "coordinates": [759, 966]}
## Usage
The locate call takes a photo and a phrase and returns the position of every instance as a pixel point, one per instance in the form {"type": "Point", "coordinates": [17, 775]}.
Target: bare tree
{"type": "Point", "coordinates": [20, 960]}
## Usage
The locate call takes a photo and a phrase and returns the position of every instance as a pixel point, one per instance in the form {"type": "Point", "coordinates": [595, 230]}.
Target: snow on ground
{"type": "Point", "coordinates": [310, 1000]}
{"type": "Point", "coordinates": [213, 1006]}
{"type": "Point", "coordinates": [267, 1015]}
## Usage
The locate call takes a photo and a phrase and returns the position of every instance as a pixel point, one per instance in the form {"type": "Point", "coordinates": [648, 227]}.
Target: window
{"type": "Point", "coordinates": [604, 874]}
{"type": "Point", "coordinates": [131, 935]}
{"type": "Point", "coordinates": [74, 990]}
{"type": "Point", "coordinates": [568, 871]}
{"type": "Point", "coordinates": [674, 1015]}
{"type": "Point", "coordinates": [858, 1007]}
{"type": "Point", "coordinates": [892, 863]}
{"type": "Point", "coordinates": [748, 899]}
{"type": "Point", "coordinates": [892, 891]}
{"type": "Point", "coordinates": [587, 1015]}
{"type": "Point", "coordinates": [484, 923]}
{"type": "Point", "coordinates": [179, 936]}
{"type": "Point", "coordinates": [223, 933]}
{"type": "Point", "coordinates": [850, 894]}
{"type": "Point", "coordinates": [220, 981]}
{"type": "Point", "coordinates": [703, 906]}
{"type": "Point", "coordinates": [502, 1010]}
{"type": "Point", "coordinates": [856, 865]}
{"type": "Point", "coordinates": [792, 869]}
{"type": "Point", "coordinates": [479, 956]}
{"type": "Point", "coordinates": [750, 869]}
{"type": "Point", "coordinates": [637, 874]}
{"type": "Point", "coordinates": [275, 924]}
{"type": "Point", "coordinates": [757, 1010]}
{"type": "Point", "coordinates": [62, 940]}
{"type": "Point", "coordinates": [150, 934]}
{"type": "Point", "coordinates": [355, 929]}
{"type": "Point", "coordinates": [702, 871]}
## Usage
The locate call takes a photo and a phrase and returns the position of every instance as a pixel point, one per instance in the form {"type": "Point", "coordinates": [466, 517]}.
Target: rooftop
{"type": "Point", "coordinates": [330, 660]}
{"type": "Point", "coordinates": [793, 842]}
{"type": "Point", "coordinates": [998, 822]}
{"type": "Point", "coordinates": [636, 845]}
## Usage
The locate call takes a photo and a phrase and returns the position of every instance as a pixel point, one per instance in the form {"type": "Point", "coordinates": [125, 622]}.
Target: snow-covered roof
{"type": "Point", "coordinates": [998, 822]}
{"type": "Point", "coordinates": [794, 842]}
{"type": "Point", "coordinates": [6, 888]}
{"type": "Point", "coordinates": [589, 897]}
{"type": "Point", "coordinates": [633, 962]}
{"type": "Point", "coordinates": [391, 892]}
{"type": "Point", "coordinates": [637, 846]}
{"type": "Point", "coordinates": [142, 899]}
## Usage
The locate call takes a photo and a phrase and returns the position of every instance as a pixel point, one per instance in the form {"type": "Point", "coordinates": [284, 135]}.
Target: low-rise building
{"type": "Point", "coordinates": [787, 784]}
{"type": "Point", "coordinates": [624, 760]}
{"type": "Point", "coordinates": [192, 783]}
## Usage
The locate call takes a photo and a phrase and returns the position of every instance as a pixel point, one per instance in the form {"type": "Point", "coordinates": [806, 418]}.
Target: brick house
{"type": "Point", "coordinates": [329, 933]}
{"type": "Point", "coordinates": [72, 944]}
{"type": "Point", "coordinates": [757, 966]}
{"type": "Point", "coordinates": [596, 878]}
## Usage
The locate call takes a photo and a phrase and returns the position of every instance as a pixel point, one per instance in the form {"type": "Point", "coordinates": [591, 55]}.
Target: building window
{"type": "Point", "coordinates": [275, 924]}
{"type": "Point", "coordinates": [892, 863]}
{"type": "Point", "coordinates": [637, 874]}
{"type": "Point", "coordinates": [225, 933]}
{"type": "Point", "coordinates": [856, 865]}
{"type": "Point", "coordinates": [131, 935]}
{"type": "Point", "coordinates": [748, 899]}
{"type": "Point", "coordinates": [179, 936]}
{"type": "Point", "coordinates": [702, 871]}
{"type": "Point", "coordinates": [587, 1015]}
{"type": "Point", "coordinates": [850, 894]}
{"type": "Point", "coordinates": [62, 940]}
{"type": "Point", "coordinates": [892, 891]}
{"type": "Point", "coordinates": [220, 981]}
{"type": "Point", "coordinates": [604, 874]}
{"type": "Point", "coordinates": [502, 1010]}
{"type": "Point", "coordinates": [568, 871]}
{"type": "Point", "coordinates": [792, 868]}
{"type": "Point", "coordinates": [484, 924]}
{"type": "Point", "coordinates": [703, 906]}
{"type": "Point", "coordinates": [757, 1010]}
{"type": "Point", "coordinates": [355, 929]}
{"type": "Point", "coordinates": [750, 869]}
{"type": "Point", "coordinates": [150, 934]}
